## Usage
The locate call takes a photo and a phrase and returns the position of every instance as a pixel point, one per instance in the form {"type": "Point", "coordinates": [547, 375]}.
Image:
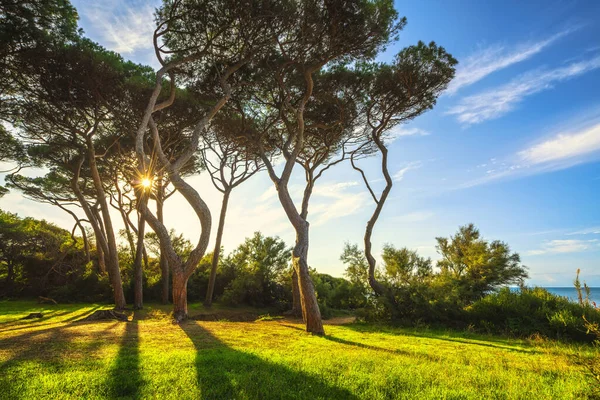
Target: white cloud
{"type": "Point", "coordinates": [119, 26]}
{"type": "Point", "coordinates": [494, 58]}
{"type": "Point", "coordinates": [571, 146]}
{"type": "Point", "coordinates": [499, 101]}
{"type": "Point", "coordinates": [561, 246]}
{"type": "Point", "coordinates": [328, 202]}
{"type": "Point", "coordinates": [398, 176]}
{"type": "Point", "coordinates": [564, 146]}
{"type": "Point", "coordinates": [335, 201]}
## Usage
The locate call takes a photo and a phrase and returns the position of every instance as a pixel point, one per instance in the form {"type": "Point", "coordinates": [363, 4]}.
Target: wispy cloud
{"type": "Point", "coordinates": [120, 26]}
{"type": "Point", "coordinates": [565, 246]}
{"type": "Point", "coordinates": [498, 101]}
{"type": "Point", "coordinates": [398, 176]}
{"type": "Point", "coordinates": [491, 59]}
{"type": "Point", "coordinates": [402, 131]}
{"type": "Point", "coordinates": [328, 201]}
{"type": "Point", "coordinates": [595, 230]}
{"type": "Point", "coordinates": [577, 142]}
{"type": "Point", "coordinates": [336, 201]}
{"type": "Point", "coordinates": [564, 146]}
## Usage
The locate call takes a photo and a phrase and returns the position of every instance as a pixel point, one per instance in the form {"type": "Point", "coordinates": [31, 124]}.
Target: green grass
{"type": "Point", "coordinates": [149, 357]}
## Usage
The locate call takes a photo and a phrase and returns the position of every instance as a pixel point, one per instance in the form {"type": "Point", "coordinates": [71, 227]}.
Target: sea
{"type": "Point", "coordinates": [571, 293]}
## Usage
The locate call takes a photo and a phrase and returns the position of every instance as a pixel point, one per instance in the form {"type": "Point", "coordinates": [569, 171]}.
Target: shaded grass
{"type": "Point", "coordinates": [149, 357]}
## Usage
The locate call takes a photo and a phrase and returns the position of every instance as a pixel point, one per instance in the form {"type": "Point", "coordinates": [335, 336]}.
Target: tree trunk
{"type": "Point", "coordinates": [180, 310]}
{"type": "Point", "coordinates": [308, 298]}
{"type": "Point", "coordinates": [164, 261]}
{"type": "Point", "coordinates": [113, 256]}
{"type": "Point", "coordinates": [86, 243]}
{"type": "Point", "coordinates": [217, 251]}
{"type": "Point", "coordinates": [378, 288]}
{"type": "Point", "coordinates": [296, 303]}
{"type": "Point", "coordinates": [137, 265]}
{"type": "Point", "coordinates": [101, 260]}
{"type": "Point", "coordinates": [10, 277]}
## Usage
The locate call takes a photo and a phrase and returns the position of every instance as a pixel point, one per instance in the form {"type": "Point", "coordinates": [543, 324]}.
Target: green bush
{"type": "Point", "coordinates": [532, 311]}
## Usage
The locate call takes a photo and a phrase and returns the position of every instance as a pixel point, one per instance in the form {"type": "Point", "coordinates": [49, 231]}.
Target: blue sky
{"type": "Point", "coordinates": [513, 146]}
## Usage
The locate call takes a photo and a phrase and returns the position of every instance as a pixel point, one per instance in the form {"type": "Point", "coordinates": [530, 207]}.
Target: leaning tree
{"type": "Point", "coordinates": [65, 112]}
{"type": "Point", "coordinates": [323, 35]}
{"type": "Point", "coordinates": [394, 94]}
{"type": "Point", "coordinates": [204, 43]}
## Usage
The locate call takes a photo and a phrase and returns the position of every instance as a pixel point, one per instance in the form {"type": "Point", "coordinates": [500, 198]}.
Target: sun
{"type": "Point", "coordinates": [146, 182]}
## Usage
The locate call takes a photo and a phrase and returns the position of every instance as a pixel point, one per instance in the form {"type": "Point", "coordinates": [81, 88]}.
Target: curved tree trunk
{"type": "Point", "coordinates": [217, 252]}
{"type": "Point", "coordinates": [113, 257]}
{"type": "Point", "coordinates": [308, 298]}
{"type": "Point", "coordinates": [180, 310]}
{"type": "Point", "coordinates": [378, 288]}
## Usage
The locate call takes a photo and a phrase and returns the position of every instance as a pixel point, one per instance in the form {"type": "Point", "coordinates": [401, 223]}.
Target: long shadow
{"type": "Point", "coordinates": [124, 378]}
{"type": "Point", "coordinates": [51, 348]}
{"type": "Point", "coordinates": [225, 373]}
{"type": "Point", "coordinates": [476, 341]}
{"type": "Point", "coordinates": [36, 323]}
{"type": "Point", "coordinates": [382, 349]}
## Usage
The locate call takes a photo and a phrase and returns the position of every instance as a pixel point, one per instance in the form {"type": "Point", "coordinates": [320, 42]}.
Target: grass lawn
{"type": "Point", "coordinates": [149, 357]}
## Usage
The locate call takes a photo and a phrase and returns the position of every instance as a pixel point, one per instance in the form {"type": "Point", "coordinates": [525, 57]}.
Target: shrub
{"type": "Point", "coordinates": [532, 311]}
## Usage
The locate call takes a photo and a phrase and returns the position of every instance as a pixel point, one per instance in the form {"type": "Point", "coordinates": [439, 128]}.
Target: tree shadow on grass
{"type": "Point", "coordinates": [455, 337]}
{"type": "Point", "coordinates": [50, 317]}
{"type": "Point", "coordinates": [226, 373]}
{"type": "Point", "coordinates": [124, 377]}
{"type": "Point", "coordinates": [51, 349]}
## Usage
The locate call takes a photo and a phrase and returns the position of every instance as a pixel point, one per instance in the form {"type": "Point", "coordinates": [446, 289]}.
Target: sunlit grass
{"type": "Point", "coordinates": [152, 358]}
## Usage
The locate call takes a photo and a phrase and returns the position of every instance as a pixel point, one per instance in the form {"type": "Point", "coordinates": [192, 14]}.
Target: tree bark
{"type": "Point", "coordinates": [296, 302]}
{"type": "Point", "coordinates": [180, 310]}
{"type": "Point", "coordinates": [308, 298]}
{"type": "Point", "coordinates": [378, 288]}
{"type": "Point", "coordinates": [164, 261]}
{"type": "Point", "coordinates": [137, 265]}
{"type": "Point", "coordinates": [101, 260]}
{"type": "Point", "coordinates": [217, 251]}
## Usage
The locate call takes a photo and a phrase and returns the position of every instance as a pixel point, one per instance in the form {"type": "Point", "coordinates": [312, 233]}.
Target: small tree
{"type": "Point", "coordinates": [229, 164]}
{"type": "Point", "coordinates": [260, 264]}
{"type": "Point", "coordinates": [475, 266]}
{"type": "Point", "coordinates": [404, 267]}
